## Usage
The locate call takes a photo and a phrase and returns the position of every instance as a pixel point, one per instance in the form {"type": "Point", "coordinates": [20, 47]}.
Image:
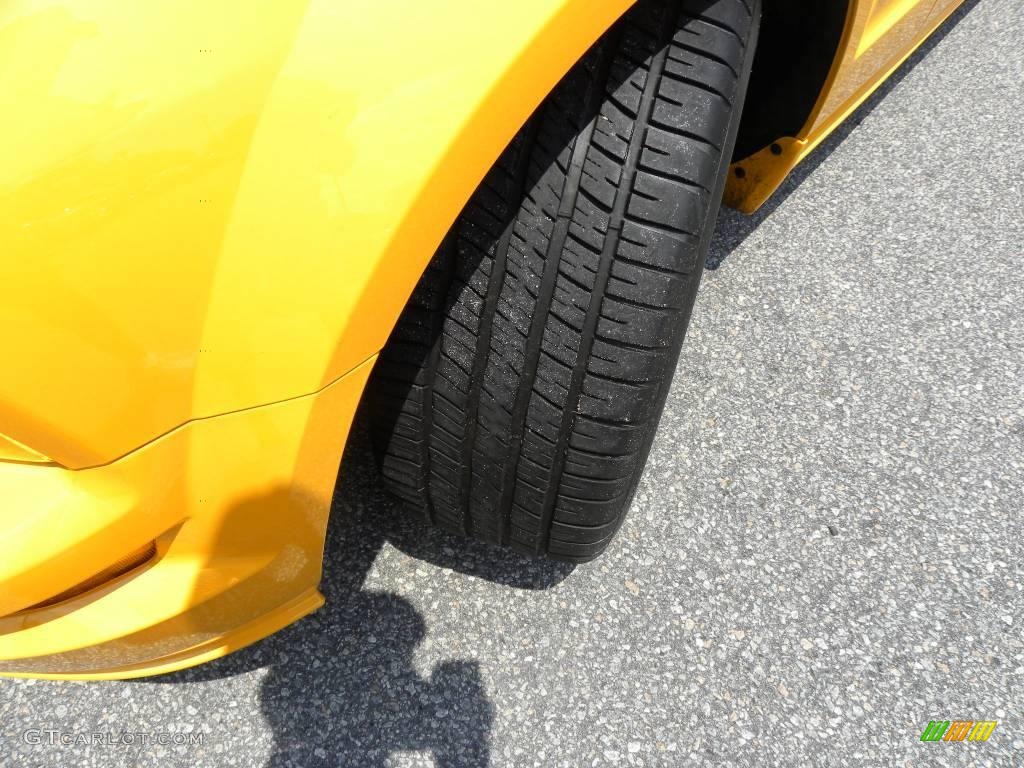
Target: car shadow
{"type": "Point", "coordinates": [735, 227]}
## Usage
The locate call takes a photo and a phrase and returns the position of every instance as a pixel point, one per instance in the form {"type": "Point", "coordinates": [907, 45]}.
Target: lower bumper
{"type": "Point", "coordinates": [234, 509]}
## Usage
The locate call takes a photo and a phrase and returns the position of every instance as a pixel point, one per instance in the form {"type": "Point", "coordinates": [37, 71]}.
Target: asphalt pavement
{"type": "Point", "coordinates": [826, 551]}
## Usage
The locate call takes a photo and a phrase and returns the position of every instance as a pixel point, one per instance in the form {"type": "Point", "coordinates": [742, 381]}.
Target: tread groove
{"type": "Point", "coordinates": [567, 204]}
{"type": "Point", "coordinates": [611, 243]}
{"type": "Point", "coordinates": [487, 320]}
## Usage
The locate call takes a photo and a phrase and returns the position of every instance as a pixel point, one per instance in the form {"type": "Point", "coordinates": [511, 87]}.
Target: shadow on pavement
{"type": "Point", "coordinates": [341, 684]}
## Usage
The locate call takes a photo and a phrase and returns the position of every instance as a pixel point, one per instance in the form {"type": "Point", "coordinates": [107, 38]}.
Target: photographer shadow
{"type": "Point", "coordinates": [341, 686]}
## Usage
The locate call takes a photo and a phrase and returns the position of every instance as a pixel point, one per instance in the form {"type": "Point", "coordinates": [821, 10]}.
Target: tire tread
{"type": "Point", "coordinates": [519, 393]}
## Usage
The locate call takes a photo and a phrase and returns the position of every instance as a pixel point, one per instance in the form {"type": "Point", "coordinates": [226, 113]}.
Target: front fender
{"type": "Point", "coordinates": [210, 207]}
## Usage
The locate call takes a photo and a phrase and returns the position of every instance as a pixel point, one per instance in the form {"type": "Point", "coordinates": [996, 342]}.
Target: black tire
{"type": "Point", "coordinates": [518, 396]}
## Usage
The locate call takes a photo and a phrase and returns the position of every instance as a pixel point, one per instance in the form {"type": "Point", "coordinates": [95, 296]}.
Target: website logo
{"type": "Point", "coordinates": [958, 730]}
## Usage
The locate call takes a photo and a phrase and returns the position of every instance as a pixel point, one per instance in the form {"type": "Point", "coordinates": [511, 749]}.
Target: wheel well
{"type": "Point", "coordinates": [799, 41]}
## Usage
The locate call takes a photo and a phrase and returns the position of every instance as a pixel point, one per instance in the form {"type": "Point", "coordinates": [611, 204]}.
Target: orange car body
{"type": "Point", "coordinates": [207, 235]}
